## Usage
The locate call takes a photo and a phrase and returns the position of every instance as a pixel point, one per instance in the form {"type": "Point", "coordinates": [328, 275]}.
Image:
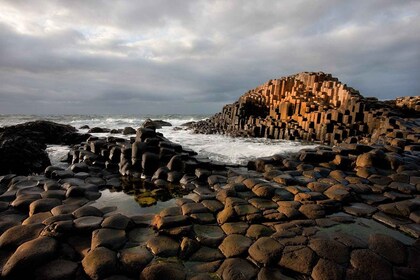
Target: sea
{"type": "Point", "coordinates": [216, 147]}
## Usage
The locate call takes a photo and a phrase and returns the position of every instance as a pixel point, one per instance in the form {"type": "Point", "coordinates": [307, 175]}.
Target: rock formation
{"type": "Point", "coordinates": [312, 107]}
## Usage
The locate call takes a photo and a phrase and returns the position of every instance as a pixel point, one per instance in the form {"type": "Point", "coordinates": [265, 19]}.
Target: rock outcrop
{"type": "Point", "coordinates": [312, 107]}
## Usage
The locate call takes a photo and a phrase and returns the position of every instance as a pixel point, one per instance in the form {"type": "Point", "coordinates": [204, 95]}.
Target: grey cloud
{"type": "Point", "coordinates": [195, 56]}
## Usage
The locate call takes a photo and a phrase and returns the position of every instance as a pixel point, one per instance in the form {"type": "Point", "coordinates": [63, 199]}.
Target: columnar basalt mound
{"type": "Point", "coordinates": [308, 106]}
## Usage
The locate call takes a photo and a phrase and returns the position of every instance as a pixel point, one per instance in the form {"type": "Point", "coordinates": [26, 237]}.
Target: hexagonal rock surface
{"type": "Point", "coordinates": [298, 258]}
{"type": "Point", "coordinates": [88, 223]}
{"type": "Point", "coordinates": [29, 255]}
{"type": "Point", "coordinates": [368, 264]}
{"type": "Point", "coordinates": [57, 270]}
{"type": "Point", "coordinates": [237, 269]}
{"type": "Point", "coordinates": [330, 249]}
{"type": "Point", "coordinates": [163, 246]}
{"type": "Point", "coordinates": [326, 269]}
{"type": "Point", "coordinates": [140, 235]}
{"type": "Point", "coordinates": [87, 211]}
{"type": "Point", "coordinates": [134, 259]}
{"type": "Point", "coordinates": [43, 205]}
{"type": "Point", "coordinates": [163, 270]}
{"type": "Point", "coordinates": [100, 263]}
{"type": "Point", "coordinates": [235, 245]}
{"type": "Point", "coordinates": [232, 228]}
{"type": "Point", "coordinates": [388, 247]}
{"type": "Point", "coordinates": [257, 231]}
{"type": "Point", "coordinates": [117, 221]}
{"type": "Point", "coordinates": [267, 273]}
{"type": "Point", "coordinates": [206, 254]}
{"type": "Point", "coordinates": [360, 209]}
{"type": "Point", "coordinates": [312, 211]}
{"type": "Point", "coordinates": [209, 235]}
{"type": "Point", "coordinates": [110, 238]}
{"type": "Point", "coordinates": [265, 251]}
{"type": "Point", "coordinates": [17, 235]}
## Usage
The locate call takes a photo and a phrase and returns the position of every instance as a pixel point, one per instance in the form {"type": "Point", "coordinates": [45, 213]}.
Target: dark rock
{"type": "Point", "coordinates": [298, 258]}
{"type": "Point", "coordinates": [164, 270]}
{"type": "Point", "coordinates": [206, 254]}
{"type": "Point", "coordinates": [134, 259]}
{"type": "Point", "coordinates": [237, 269]}
{"type": "Point", "coordinates": [370, 265]}
{"type": "Point", "coordinates": [267, 273]}
{"type": "Point", "coordinates": [87, 211]}
{"type": "Point", "coordinates": [88, 223]}
{"type": "Point", "coordinates": [113, 239]}
{"type": "Point", "coordinates": [163, 246]}
{"type": "Point", "coordinates": [209, 235]}
{"type": "Point", "coordinates": [326, 269]}
{"type": "Point", "coordinates": [388, 247]}
{"type": "Point", "coordinates": [330, 249]}
{"type": "Point", "coordinates": [98, 130]}
{"type": "Point", "coordinates": [235, 245]}
{"type": "Point", "coordinates": [100, 263]}
{"type": "Point", "coordinates": [43, 205]}
{"type": "Point", "coordinates": [29, 255]}
{"type": "Point", "coordinates": [128, 130]}
{"type": "Point", "coordinates": [116, 221]}
{"type": "Point", "coordinates": [266, 251]}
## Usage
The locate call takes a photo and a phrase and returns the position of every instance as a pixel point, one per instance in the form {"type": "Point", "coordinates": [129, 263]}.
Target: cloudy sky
{"type": "Point", "coordinates": [143, 57]}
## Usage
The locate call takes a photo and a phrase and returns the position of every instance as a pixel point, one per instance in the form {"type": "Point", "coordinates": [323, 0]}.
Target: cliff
{"type": "Point", "coordinates": [309, 106]}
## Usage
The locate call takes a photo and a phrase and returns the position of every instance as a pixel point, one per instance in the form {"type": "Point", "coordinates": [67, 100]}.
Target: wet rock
{"type": "Point", "coordinates": [312, 211]}
{"type": "Point", "coordinates": [17, 235]}
{"type": "Point", "coordinates": [169, 221]}
{"type": "Point", "coordinates": [360, 209]}
{"type": "Point", "coordinates": [266, 251]}
{"type": "Point", "coordinates": [369, 264]}
{"type": "Point", "coordinates": [188, 247]}
{"type": "Point", "coordinates": [330, 249]}
{"type": "Point", "coordinates": [326, 269]}
{"type": "Point", "coordinates": [263, 204]}
{"type": "Point", "coordinates": [163, 246]}
{"type": "Point", "coordinates": [212, 205]}
{"type": "Point", "coordinates": [237, 269]}
{"type": "Point", "coordinates": [134, 259]}
{"type": "Point", "coordinates": [190, 208]}
{"type": "Point", "coordinates": [235, 228]}
{"type": "Point", "coordinates": [88, 223]}
{"type": "Point", "coordinates": [140, 235]}
{"type": "Point", "coordinates": [87, 211]}
{"type": "Point", "coordinates": [113, 239]}
{"type": "Point", "coordinates": [29, 255]}
{"type": "Point", "coordinates": [235, 245]}
{"type": "Point", "coordinates": [388, 247]}
{"type": "Point", "coordinates": [298, 258]}
{"type": "Point", "coordinates": [43, 205]}
{"type": "Point", "coordinates": [256, 231]}
{"type": "Point", "coordinates": [116, 221]}
{"type": "Point", "coordinates": [164, 270]}
{"type": "Point", "coordinates": [37, 218]}
{"type": "Point", "coordinates": [57, 270]}
{"type": "Point", "coordinates": [206, 254]}
{"type": "Point", "coordinates": [64, 209]}
{"type": "Point", "coordinates": [100, 263]}
{"type": "Point", "coordinates": [209, 235]}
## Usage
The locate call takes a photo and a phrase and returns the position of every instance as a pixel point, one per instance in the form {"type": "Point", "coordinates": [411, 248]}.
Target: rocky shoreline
{"type": "Point", "coordinates": [348, 211]}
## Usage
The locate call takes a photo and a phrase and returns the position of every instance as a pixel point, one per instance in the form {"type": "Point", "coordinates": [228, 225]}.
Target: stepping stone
{"type": "Point", "coordinates": [37, 218]}
{"type": "Point", "coordinates": [163, 246]}
{"type": "Point", "coordinates": [235, 245]}
{"type": "Point", "coordinates": [43, 205]}
{"type": "Point", "coordinates": [266, 251]}
{"type": "Point", "coordinates": [116, 221]}
{"type": "Point", "coordinates": [326, 269]}
{"type": "Point", "coordinates": [203, 218]}
{"type": "Point", "coordinates": [268, 273]}
{"type": "Point", "coordinates": [367, 263]}
{"type": "Point", "coordinates": [30, 255]}
{"type": "Point", "coordinates": [360, 209]}
{"type": "Point", "coordinates": [245, 209]}
{"type": "Point", "coordinates": [191, 208]}
{"type": "Point", "coordinates": [88, 223]}
{"type": "Point", "coordinates": [206, 254]}
{"type": "Point", "coordinates": [235, 268]}
{"type": "Point", "coordinates": [100, 263]}
{"type": "Point", "coordinates": [235, 227]}
{"type": "Point", "coordinates": [263, 204]}
{"type": "Point", "coordinates": [312, 211]}
{"type": "Point", "coordinates": [113, 239]}
{"type": "Point", "coordinates": [59, 194]}
{"type": "Point", "coordinates": [256, 231]}
{"type": "Point", "coordinates": [17, 235]}
{"type": "Point", "coordinates": [134, 259]}
{"type": "Point", "coordinates": [213, 205]}
{"type": "Point", "coordinates": [87, 211]}
{"type": "Point", "coordinates": [394, 221]}
{"type": "Point", "coordinates": [57, 270]}
{"type": "Point", "coordinates": [298, 258]}
{"type": "Point", "coordinates": [188, 247]}
{"type": "Point", "coordinates": [171, 211]}
{"type": "Point", "coordinates": [209, 235]}
{"type": "Point", "coordinates": [164, 270]}
{"type": "Point", "coordinates": [330, 249]}
{"type": "Point", "coordinates": [388, 247]}
{"type": "Point", "coordinates": [64, 209]}
{"type": "Point", "coordinates": [169, 221]}
{"type": "Point", "coordinates": [203, 270]}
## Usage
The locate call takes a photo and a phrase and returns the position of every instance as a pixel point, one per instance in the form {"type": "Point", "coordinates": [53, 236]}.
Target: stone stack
{"type": "Point", "coordinates": [306, 106]}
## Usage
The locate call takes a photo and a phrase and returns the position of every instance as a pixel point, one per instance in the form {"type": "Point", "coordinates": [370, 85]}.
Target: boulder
{"type": "Point", "coordinates": [100, 263]}
{"type": "Point", "coordinates": [164, 270]}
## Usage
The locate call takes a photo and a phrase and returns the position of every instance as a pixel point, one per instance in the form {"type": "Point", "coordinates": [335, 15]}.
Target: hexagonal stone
{"type": "Point", "coordinates": [164, 270]}
{"type": "Point", "coordinates": [206, 254]}
{"type": "Point", "coordinates": [326, 269]}
{"type": "Point", "coordinates": [256, 231]}
{"type": "Point", "coordinates": [116, 221]}
{"type": "Point", "coordinates": [100, 263]}
{"type": "Point", "coordinates": [367, 263]}
{"type": "Point", "coordinates": [57, 270]}
{"type": "Point", "coordinates": [190, 208]}
{"type": "Point", "coordinates": [268, 273]}
{"type": "Point", "coordinates": [88, 223]}
{"type": "Point", "coordinates": [388, 247]}
{"type": "Point", "coordinates": [213, 205]}
{"type": "Point", "coordinates": [235, 245]}
{"type": "Point", "coordinates": [17, 235]}
{"type": "Point", "coordinates": [235, 227]}
{"type": "Point", "coordinates": [43, 205]}
{"type": "Point", "coordinates": [245, 209]}
{"type": "Point", "coordinates": [330, 249]}
{"type": "Point", "coordinates": [140, 235]}
{"type": "Point", "coordinates": [163, 246]}
{"type": "Point", "coordinates": [110, 238]}
{"type": "Point", "coordinates": [29, 255]}
{"type": "Point", "coordinates": [209, 235]}
{"type": "Point", "coordinates": [37, 218]}
{"type": "Point", "coordinates": [298, 258]}
{"type": "Point", "coordinates": [87, 211]}
{"type": "Point", "coordinates": [360, 209]}
{"type": "Point", "coordinates": [312, 211]}
{"type": "Point", "coordinates": [134, 259]}
{"type": "Point", "coordinates": [266, 251]}
{"type": "Point", "coordinates": [237, 269]}
{"type": "Point", "coordinates": [263, 204]}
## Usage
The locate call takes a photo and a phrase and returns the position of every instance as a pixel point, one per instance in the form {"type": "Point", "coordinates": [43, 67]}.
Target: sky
{"type": "Point", "coordinates": [192, 57]}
